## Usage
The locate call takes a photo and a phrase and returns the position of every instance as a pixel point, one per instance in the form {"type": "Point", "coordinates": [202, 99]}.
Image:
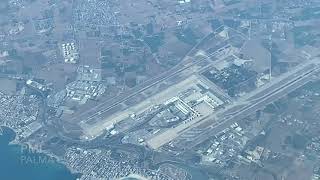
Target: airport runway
{"type": "Point", "coordinates": [129, 95]}
{"type": "Point", "coordinates": [270, 94]}
{"type": "Point", "coordinates": [186, 63]}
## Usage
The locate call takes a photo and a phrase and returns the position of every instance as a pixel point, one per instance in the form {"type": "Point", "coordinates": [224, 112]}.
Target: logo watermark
{"type": "Point", "coordinates": [35, 155]}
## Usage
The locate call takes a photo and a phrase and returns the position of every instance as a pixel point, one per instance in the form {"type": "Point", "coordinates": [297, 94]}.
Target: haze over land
{"type": "Point", "coordinates": [165, 89]}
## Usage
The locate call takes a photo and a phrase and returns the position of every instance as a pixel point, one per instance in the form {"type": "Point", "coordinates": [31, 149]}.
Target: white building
{"type": "Point", "coordinates": [70, 53]}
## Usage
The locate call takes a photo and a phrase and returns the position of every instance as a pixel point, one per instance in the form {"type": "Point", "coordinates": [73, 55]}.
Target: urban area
{"type": "Point", "coordinates": [165, 89]}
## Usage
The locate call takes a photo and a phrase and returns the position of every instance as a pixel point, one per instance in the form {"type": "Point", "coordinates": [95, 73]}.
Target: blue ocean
{"type": "Point", "coordinates": [19, 164]}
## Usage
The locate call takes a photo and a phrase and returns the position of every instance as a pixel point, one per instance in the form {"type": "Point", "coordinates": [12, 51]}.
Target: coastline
{"type": "Point", "coordinates": [57, 159]}
{"type": "Point", "coordinates": [33, 148]}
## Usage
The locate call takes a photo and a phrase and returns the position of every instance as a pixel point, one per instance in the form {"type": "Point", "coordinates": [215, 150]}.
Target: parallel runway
{"type": "Point", "coordinates": [224, 119]}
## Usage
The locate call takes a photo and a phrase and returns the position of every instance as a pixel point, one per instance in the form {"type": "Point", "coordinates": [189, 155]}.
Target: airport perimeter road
{"type": "Point", "coordinates": [186, 62]}
{"type": "Point", "coordinates": [271, 94]}
{"type": "Point", "coordinates": [126, 96]}
{"type": "Point", "coordinates": [296, 79]}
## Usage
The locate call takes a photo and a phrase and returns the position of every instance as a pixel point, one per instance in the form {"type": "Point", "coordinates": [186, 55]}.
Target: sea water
{"type": "Point", "coordinates": [19, 163]}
